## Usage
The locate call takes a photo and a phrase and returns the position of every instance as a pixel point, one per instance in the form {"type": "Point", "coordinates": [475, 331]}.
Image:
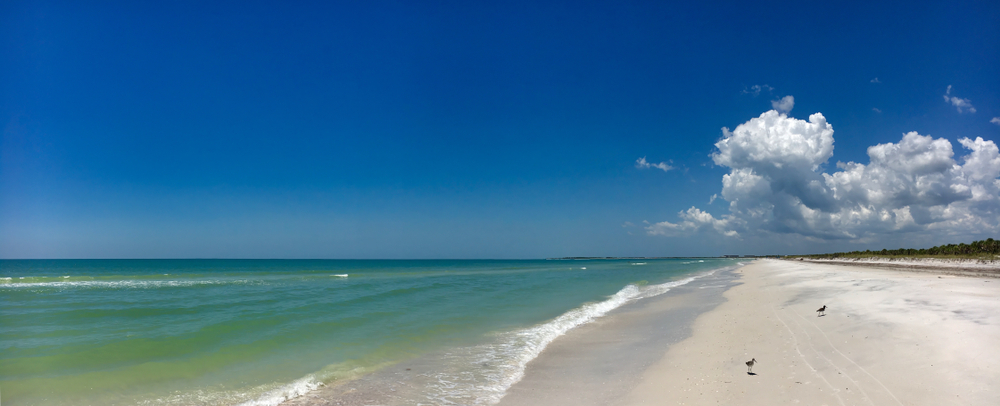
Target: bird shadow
{"type": "Point", "coordinates": [821, 315]}
{"type": "Point", "coordinates": [751, 374]}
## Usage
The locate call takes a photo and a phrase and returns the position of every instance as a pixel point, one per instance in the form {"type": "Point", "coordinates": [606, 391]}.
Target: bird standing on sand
{"type": "Point", "coordinates": [750, 365]}
{"type": "Point", "coordinates": [821, 311]}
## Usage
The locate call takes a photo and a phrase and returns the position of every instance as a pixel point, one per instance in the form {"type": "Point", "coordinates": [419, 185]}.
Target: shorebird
{"type": "Point", "coordinates": [750, 365]}
{"type": "Point", "coordinates": [821, 311]}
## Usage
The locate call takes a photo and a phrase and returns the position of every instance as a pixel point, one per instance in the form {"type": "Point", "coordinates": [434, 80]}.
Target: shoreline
{"type": "Point", "coordinates": [599, 363]}
{"type": "Point", "coordinates": [613, 335]}
{"type": "Point", "coordinates": [889, 337]}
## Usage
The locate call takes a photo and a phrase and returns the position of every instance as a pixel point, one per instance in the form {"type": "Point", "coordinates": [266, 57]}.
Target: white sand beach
{"type": "Point", "coordinates": [888, 338]}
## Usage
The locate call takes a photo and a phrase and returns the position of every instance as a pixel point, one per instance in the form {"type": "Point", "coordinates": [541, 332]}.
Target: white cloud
{"type": "Point", "coordinates": [642, 164]}
{"type": "Point", "coordinates": [628, 224]}
{"type": "Point", "coordinates": [876, 80]}
{"type": "Point", "coordinates": [995, 120]}
{"type": "Point", "coordinates": [962, 105]}
{"type": "Point", "coordinates": [694, 219]}
{"type": "Point", "coordinates": [756, 89]}
{"type": "Point", "coordinates": [712, 199]}
{"type": "Point", "coordinates": [774, 141]}
{"type": "Point", "coordinates": [875, 109]}
{"type": "Point", "coordinates": [777, 185]}
{"type": "Point", "coordinates": [784, 105]}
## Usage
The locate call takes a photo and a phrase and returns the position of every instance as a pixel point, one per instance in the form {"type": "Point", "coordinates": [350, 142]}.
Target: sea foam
{"type": "Point", "coordinates": [123, 284]}
{"type": "Point", "coordinates": [503, 361]}
{"type": "Point", "coordinates": [290, 391]}
{"type": "Point", "coordinates": [497, 365]}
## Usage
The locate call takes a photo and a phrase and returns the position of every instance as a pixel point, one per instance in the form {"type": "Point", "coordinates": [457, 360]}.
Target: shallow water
{"type": "Point", "coordinates": [226, 332]}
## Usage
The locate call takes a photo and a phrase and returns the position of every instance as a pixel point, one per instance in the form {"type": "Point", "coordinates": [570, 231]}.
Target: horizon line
{"type": "Point", "coordinates": [363, 259]}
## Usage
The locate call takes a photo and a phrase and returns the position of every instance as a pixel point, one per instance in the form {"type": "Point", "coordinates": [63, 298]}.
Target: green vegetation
{"type": "Point", "coordinates": [985, 249]}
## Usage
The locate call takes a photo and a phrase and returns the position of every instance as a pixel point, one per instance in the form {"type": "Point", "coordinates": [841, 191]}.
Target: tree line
{"type": "Point", "coordinates": [985, 247]}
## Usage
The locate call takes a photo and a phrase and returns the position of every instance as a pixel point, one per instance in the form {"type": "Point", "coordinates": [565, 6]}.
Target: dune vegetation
{"type": "Point", "coordinates": [985, 249]}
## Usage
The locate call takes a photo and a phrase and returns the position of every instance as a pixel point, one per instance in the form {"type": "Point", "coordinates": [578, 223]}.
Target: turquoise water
{"type": "Point", "coordinates": [229, 332]}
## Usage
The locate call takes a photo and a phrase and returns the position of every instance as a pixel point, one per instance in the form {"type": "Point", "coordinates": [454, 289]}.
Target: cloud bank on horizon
{"type": "Point", "coordinates": [777, 185]}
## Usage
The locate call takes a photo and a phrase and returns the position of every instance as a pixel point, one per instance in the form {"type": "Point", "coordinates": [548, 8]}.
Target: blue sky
{"type": "Point", "coordinates": [504, 130]}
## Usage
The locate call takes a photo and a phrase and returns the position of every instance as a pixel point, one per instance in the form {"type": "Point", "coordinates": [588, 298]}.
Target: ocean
{"type": "Point", "coordinates": [260, 332]}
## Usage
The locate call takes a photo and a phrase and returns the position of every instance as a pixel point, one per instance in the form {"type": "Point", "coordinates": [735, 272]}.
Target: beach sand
{"type": "Point", "coordinates": [888, 338]}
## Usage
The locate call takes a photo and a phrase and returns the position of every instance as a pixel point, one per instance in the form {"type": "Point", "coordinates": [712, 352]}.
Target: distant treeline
{"type": "Point", "coordinates": [985, 247]}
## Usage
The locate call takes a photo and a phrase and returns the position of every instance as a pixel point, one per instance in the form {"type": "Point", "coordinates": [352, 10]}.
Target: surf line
{"type": "Point", "coordinates": [509, 356]}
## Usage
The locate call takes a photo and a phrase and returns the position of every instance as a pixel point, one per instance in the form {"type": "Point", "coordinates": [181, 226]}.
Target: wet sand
{"type": "Point", "coordinates": [597, 363]}
{"type": "Point", "coordinates": [600, 363]}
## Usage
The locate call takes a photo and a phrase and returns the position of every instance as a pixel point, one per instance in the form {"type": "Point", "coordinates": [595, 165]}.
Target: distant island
{"type": "Point", "coordinates": [590, 258]}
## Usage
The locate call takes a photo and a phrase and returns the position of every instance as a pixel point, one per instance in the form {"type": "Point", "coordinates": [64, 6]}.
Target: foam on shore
{"type": "Point", "coordinates": [482, 374]}
{"type": "Point", "coordinates": [504, 361]}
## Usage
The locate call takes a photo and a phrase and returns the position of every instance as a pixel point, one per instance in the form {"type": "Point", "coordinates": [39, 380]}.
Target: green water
{"type": "Point", "coordinates": [225, 332]}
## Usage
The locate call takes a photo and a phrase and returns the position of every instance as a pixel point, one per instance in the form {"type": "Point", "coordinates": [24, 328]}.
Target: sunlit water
{"type": "Point", "coordinates": [226, 332]}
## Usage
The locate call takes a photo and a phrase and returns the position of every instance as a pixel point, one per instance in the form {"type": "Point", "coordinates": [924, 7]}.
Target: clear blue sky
{"type": "Point", "coordinates": [485, 130]}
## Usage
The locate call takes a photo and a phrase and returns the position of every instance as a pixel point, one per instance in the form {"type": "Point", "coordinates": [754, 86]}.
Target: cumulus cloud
{"type": "Point", "coordinates": [777, 184]}
{"type": "Point", "coordinates": [693, 220]}
{"type": "Point", "coordinates": [642, 164]}
{"type": "Point", "coordinates": [962, 105]}
{"type": "Point", "coordinates": [876, 80]}
{"type": "Point", "coordinates": [784, 105]}
{"type": "Point", "coordinates": [756, 89]}
{"type": "Point", "coordinates": [995, 120]}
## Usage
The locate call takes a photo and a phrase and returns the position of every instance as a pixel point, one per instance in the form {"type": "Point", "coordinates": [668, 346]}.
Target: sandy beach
{"type": "Point", "coordinates": [888, 338]}
{"type": "Point", "coordinates": [937, 266]}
